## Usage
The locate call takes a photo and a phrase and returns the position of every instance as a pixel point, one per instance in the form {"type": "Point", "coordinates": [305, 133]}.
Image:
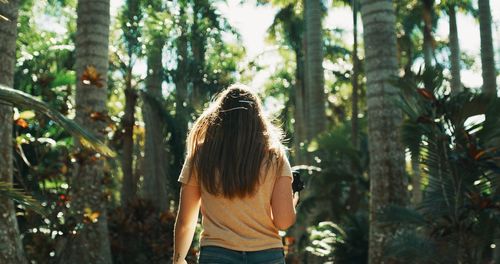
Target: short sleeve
{"type": "Point", "coordinates": [187, 175]}
{"type": "Point", "coordinates": [286, 169]}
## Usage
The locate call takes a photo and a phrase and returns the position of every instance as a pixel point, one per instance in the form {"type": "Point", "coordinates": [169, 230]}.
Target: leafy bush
{"type": "Point", "coordinates": [458, 137]}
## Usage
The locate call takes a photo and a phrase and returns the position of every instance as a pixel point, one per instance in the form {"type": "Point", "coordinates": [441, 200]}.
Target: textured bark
{"type": "Point", "coordinates": [156, 158]}
{"type": "Point", "coordinates": [11, 248]}
{"type": "Point", "coordinates": [129, 184]}
{"type": "Point", "coordinates": [355, 79]}
{"type": "Point", "coordinates": [487, 54]}
{"type": "Point", "coordinates": [132, 15]}
{"type": "Point", "coordinates": [300, 136]}
{"type": "Point", "coordinates": [198, 44]}
{"type": "Point", "coordinates": [386, 169]}
{"type": "Point", "coordinates": [456, 83]}
{"type": "Point", "coordinates": [90, 244]}
{"type": "Point", "coordinates": [314, 74]}
{"type": "Point", "coordinates": [181, 83]}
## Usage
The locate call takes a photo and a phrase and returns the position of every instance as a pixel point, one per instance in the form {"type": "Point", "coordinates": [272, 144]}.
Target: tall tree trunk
{"type": "Point", "coordinates": [129, 184]}
{"type": "Point", "coordinates": [131, 17]}
{"type": "Point", "coordinates": [11, 248]}
{"type": "Point", "coordinates": [198, 47]}
{"type": "Point", "coordinates": [156, 158]}
{"type": "Point", "coordinates": [387, 185]}
{"type": "Point", "coordinates": [487, 54]}
{"type": "Point", "coordinates": [314, 74]}
{"type": "Point", "coordinates": [300, 135]}
{"type": "Point", "coordinates": [181, 89]}
{"type": "Point", "coordinates": [456, 83]}
{"type": "Point", "coordinates": [90, 244]}
{"type": "Point", "coordinates": [428, 39]}
{"type": "Point", "coordinates": [355, 79]}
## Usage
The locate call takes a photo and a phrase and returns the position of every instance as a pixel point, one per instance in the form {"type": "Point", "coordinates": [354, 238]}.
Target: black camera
{"type": "Point", "coordinates": [297, 184]}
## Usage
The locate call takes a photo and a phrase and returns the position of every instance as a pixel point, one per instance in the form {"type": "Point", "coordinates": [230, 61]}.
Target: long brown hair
{"type": "Point", "coordinates": [231, 141]}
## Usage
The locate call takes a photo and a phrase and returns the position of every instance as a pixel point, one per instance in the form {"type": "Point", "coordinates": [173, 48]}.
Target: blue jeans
{"type": "Point", "coordinates": [220, 255]}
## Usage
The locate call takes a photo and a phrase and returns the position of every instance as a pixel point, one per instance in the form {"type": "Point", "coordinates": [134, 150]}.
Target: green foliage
{"type": "Point", "coordinates": [7, 191]}
{"type": "Point", "coordinates": [87, 139]}
{"type": "Point", "coordinates": [341, 186]}
{"type": "Point", "coordinates": [354, 247]}
{"type": "Point", "coordinates": [411, 247]}
{"type": "Point", "coordinates": [140, 235]}
{"type": "Point", "coordinates": [459, 153]}
{"type": "Point", "coordinates": [324, 237]}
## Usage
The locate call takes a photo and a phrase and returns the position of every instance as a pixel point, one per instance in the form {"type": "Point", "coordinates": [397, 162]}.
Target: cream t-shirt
{"type": "Point", "coordinates": [243, 224]}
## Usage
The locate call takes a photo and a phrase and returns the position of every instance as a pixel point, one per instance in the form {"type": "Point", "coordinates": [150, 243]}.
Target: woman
{"type": "Point", "coordinates": [237, 171]}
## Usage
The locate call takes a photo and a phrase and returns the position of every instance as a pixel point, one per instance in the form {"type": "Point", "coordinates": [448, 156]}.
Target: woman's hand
{"type": "Point", "coordinates": [181, 261]}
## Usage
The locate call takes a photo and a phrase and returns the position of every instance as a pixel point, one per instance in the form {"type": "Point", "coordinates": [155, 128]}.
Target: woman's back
{"type": "Point", "coordinates": [244, 224]}
{"type": "Point", "coordinates": [237, 171]}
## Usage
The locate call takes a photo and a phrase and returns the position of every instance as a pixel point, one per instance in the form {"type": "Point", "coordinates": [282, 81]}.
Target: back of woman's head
{"type": "Point", "coordinates": [230, 143]}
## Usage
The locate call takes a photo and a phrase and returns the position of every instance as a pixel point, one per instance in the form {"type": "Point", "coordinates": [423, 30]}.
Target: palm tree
{"type": "Point", "coordinates": [456, 83]}
{"type": "Point", "coordinates": [11, 249]}
{"type": "Point", "coordinates": [156, 158]}
{"type": "Point", "coordinates": [289, 20]}
{"type": "Point", "coordinates": [90, 244]}
{"type": "Point", "coordinates": [130, 19]}
{"type": "Point", "coordinates": [386, 152]}
{"type": "Point", "coordinates": [487, 54]}
{"type": "Point", "coordinates": [314, 75]}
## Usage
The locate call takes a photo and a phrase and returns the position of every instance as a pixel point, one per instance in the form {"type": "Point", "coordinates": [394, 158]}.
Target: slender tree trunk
{"type": "Point", "coordinates": [314, 74]}
{"type": "Point", "coordinates": [428, 39]}
{"type": "Point", "coordinates": [129, 184]}
{"type": "Point", "coordinates": [456, 83]}
{"type": "Point", "coordinates": [300, 136]}
{"type": "Point", "coordinates": [198, 46]}
{"type": "Point", "coordinates": [488, 73]}
{"type": "Point", "coordinates": [181, 88]}
{"type": "Point", "coordinates": [487, 54]}
{"type": "Point", "coordinates": [131, 18]}
{"type": "Point", "coordinates": [387, 185]}
{"type": "Point", "coordinates": [156, 158]}
{"type": "Point", "coordinates": [90, 244]}
{"type": "Point", "coordinates": [355, 79]}
{"type": "Point", "coordinates": [11, 248]}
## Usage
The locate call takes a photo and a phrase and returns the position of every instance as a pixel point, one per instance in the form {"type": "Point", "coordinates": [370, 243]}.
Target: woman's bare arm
{"type": "Point", "coordinates": [185, 224]}
{"type": "Point", "coordinates": [283, 203]}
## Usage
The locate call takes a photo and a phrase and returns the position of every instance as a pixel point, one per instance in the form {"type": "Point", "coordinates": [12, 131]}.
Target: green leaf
{"type": "Point", "coordinates": [63, 78]}
{"type": "Point", "coordinates": [86, 138]}
{"type": "Point", "coordinates": [7, 191]}
{"type": "Point", "coordinates": [402, 215]}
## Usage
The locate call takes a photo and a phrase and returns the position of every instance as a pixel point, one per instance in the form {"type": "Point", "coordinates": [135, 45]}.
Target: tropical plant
{"type": "Point", "coordinates": [460, 140]}
{"type": "Point", "coordinates": [90, 242]}
{"type": "Point", "coordinates": [386, 170]}
{"type": "Point", "coordinates": [21, 99]}
{"type": "Point", "coordinates": [86, 138]}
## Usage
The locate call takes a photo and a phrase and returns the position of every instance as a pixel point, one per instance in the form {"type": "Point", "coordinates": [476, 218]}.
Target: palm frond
{"type": "Point", "coordinates": [86, 138]}
{"type": "Point", "coordinates": [402, 215]}
{"type": "Point", "coordinates": [410, 247]}
{"type": "Point", "coordinates": [7, 191]}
